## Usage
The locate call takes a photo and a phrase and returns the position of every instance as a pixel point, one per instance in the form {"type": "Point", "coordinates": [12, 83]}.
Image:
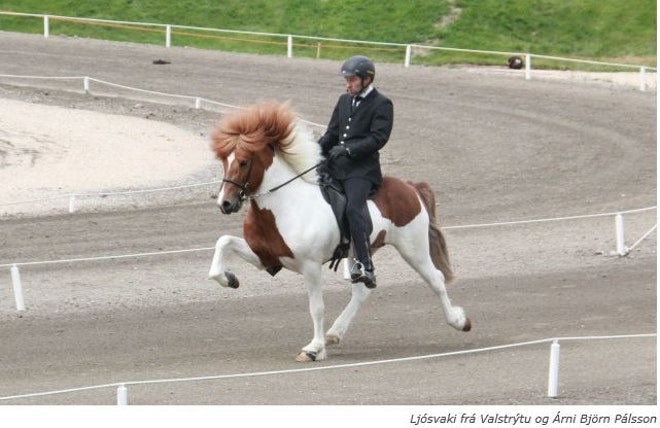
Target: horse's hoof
{"type": "Point", "coordinates": [232, 281]}
{"type": "Point", "coordinates": [306, 357]}
{"type": "Point", "coordinates": [332, 339]}
{"type": "Point", "coordinates": [468, 325]}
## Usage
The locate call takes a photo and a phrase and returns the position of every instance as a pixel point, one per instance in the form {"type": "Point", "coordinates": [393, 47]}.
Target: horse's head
{"type": "Point", "coordinates": [245, 143]}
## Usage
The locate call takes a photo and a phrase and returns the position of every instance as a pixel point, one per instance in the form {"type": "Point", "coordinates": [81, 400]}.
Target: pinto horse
{"type": "Point", "coordinates": [266, 153]}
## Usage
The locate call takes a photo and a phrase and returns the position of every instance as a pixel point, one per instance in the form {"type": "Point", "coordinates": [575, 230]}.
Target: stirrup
{"type": "Point", "coordinates": [360, 274]}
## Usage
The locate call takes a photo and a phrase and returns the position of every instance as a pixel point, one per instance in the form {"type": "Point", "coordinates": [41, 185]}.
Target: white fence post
{"type": "Point", "coordinates": [289, 46]}
{"type": "Point", "coordinates": [553, 373]}
{"type": "Point", "coordinates": [642, 76]}
{"type": "Point", "coordinates": [18, 288]}
{"type": "Point", "coordinates": [72, 204]}
{"type": "Point", "coordinates": [528, 66]}
{"type": "Point", "coordinates": [86, 84]}
{"type": "Point", "coordinates": [408, 55]}
{"type": "Point", "coordinates": [46, 27]}
{"type": "Point", "coordinates": [168, 36]}
{"type": "Point", "coordinates": [122, 395]}
{"type": "Point", "coordinates": [621, 249]}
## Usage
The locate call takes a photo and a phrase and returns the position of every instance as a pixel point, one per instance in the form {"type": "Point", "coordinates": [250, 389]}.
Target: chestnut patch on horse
{"type": "Point", "coordinates": [261, 234]}
{"type": "Point", "coordinates": [379, 242]}
{"type": "Point", "coordinates": [397, 201]}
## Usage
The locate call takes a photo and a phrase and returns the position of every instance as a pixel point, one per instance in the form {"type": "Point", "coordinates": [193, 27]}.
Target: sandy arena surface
{"type": "Point", "coordinates": [496, 148]}
{"type": "Point", "coordinates": [51, 151]}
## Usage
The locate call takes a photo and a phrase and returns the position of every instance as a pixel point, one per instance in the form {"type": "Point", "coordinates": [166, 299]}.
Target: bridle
{"type": "Point", "coordinates": [243, 194]}
{"type": "Point", "coordinates": [245, 187]}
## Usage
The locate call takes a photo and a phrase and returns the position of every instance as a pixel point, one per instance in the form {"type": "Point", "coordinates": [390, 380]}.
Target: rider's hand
{"type": "Point", "coordinates": [338, 151]}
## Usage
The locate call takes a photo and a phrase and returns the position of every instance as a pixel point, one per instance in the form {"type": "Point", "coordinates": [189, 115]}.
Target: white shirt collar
{"type": "Point", "coordinates": [367, 91]}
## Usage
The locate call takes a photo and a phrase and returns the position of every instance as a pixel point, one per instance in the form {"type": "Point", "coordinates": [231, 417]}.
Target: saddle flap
{"type": "Point", "coordinates": [333, 193]}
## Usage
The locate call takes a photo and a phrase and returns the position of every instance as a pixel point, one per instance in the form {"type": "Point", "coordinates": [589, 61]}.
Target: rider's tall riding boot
{"type": "Point", "coordinates": [363, 268]}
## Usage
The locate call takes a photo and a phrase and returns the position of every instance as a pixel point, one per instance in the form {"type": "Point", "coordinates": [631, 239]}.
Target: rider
{"type": "Point", "coordinates": [359, 127]}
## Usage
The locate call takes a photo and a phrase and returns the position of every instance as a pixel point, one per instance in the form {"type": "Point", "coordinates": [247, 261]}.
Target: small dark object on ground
{"type": "Point", "coordinates": [515, 62]}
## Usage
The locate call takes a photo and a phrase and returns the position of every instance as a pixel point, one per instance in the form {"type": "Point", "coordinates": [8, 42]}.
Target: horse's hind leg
{"type": "Point", "coordinates": [230, 245]}
{"type": "Point", "coordinates": [418, 258]}
{"type": "Point", "coordinates": [341, 324]}
{"type": "Point", "coordinates": [454, 315]}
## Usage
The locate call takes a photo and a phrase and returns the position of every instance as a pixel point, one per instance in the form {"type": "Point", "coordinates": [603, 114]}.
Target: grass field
{"type": "Point", "coordinates": [605, 30]}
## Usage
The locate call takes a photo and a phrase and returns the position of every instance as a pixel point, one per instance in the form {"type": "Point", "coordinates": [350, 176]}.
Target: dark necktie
{"type": "Point", "coordinates": [356, 101]}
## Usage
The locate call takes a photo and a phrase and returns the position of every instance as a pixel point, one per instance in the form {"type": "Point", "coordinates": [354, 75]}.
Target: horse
{"type": "Point", "coordinates": [269, 157]}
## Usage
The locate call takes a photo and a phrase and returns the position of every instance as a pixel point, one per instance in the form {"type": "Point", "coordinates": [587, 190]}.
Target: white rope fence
{"type": "Point", "coordinates": [73, 197]}
{"type": "Point", "coordinates": [553, 372]}
{"type": "Point", "coordinates": [198, 105]}
{"type": "Point", "coordinates": [86, 88]}
{"type": "Point", "coordinates": [621, 249]}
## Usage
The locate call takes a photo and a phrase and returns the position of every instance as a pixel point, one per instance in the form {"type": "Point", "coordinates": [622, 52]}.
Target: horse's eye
{"type": "Point", "coordinates": [242, 163]}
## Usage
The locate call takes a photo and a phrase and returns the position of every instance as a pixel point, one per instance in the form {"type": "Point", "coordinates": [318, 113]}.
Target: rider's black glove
{"type": "Point", "coordinates": [338, 151]}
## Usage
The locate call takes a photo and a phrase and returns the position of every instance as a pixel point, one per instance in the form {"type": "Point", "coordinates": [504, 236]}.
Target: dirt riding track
{"type": "Point", "coordinates": [495, 147]}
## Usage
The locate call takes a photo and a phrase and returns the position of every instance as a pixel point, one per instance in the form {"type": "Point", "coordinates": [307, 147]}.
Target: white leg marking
{"type": "Point", "coordinates": [315, 350]}
{"type": "Point", "coordinates": [225, 246]}
{"type": "Point", "coordinates": [415, 251]}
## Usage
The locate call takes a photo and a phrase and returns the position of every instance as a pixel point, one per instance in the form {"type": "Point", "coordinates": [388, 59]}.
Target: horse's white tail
{"type": "Point", "coordinates": [437, 244]}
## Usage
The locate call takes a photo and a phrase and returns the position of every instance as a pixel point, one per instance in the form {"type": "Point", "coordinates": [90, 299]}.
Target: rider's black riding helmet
{"type": "Point", "coordinates": [360, 66]}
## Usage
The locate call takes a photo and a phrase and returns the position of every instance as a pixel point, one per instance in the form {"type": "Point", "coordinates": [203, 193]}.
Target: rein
{"type": "Point", "coordinates": [279, 186]}
{"type": "Point", "coordinates": [245, 187]}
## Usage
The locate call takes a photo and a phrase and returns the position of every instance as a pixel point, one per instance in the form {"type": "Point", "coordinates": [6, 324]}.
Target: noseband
{"type": "Point", "coordinates": [242, 194]}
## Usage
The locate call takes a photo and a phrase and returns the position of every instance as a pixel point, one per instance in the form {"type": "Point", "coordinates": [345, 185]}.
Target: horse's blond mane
{"type": "Point", "coordinates": [268, 123]}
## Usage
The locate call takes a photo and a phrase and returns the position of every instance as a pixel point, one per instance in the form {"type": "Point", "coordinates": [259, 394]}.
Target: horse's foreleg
{"type": "Point", "coordinates": [230, 245]}
{"type": "Point", "coordinates": [315, 350]}
{"type": "Point", "coordinates": [341, 324]}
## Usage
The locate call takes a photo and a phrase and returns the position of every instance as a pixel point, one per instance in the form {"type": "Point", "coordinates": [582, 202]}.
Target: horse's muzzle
{"type": "Point", "coordinates": [230, 207]}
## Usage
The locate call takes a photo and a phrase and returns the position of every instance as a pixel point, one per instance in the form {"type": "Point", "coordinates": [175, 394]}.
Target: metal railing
{"type": "Point", "coordinates": [288, 41]}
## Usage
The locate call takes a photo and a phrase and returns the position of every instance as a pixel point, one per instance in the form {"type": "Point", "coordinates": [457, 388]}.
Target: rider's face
{"type": "Point", "coordinates": [353, 85]}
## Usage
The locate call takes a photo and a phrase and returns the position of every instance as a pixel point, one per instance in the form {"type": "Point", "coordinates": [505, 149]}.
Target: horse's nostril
{"type": "Point", "coordinates": [225, 207]}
